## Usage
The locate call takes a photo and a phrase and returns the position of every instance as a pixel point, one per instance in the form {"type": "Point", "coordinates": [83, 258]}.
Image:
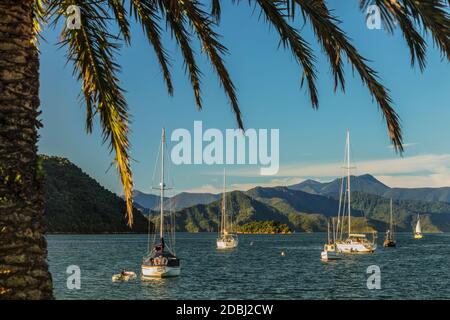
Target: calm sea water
{"type": "Point", "coordinates": [416, 269]}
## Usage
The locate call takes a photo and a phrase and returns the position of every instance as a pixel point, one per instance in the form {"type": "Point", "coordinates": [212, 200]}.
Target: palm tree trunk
{"type": "Point", "coordinates": [23, 249]}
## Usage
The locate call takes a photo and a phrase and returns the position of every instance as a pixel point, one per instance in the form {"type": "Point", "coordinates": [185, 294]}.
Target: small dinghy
{"type": "Point", "coordinates": [124, 276]}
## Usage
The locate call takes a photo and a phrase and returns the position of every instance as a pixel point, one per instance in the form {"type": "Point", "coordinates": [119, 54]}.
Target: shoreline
{"type": "Point", "coordinates": [243, 233]}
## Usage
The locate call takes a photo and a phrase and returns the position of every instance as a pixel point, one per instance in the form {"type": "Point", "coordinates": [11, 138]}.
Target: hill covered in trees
{"type": "Point", "coordinates": [76, 203]}
{"type": "Point", "coordinates": [264, 227]}
{"type": "Point", "coordinates": [307, 212]}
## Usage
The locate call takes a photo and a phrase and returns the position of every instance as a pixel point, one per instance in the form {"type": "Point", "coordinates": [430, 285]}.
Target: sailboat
{"type": "Point", "coordinates": [160, 260]}
{"type": "Point", "coordinates": [226, 239]}
{"type": "Point", "coordinates": [329, 249]}
{"type": "Point", "coordinates": [418, 231]}
{"type": "Point", "coordinates": [389, 238]}
{"type": "Point", "coordinates": [355, 242]}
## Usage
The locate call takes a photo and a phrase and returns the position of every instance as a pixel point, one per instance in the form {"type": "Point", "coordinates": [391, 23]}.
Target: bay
{"type": "Point", "coordinates": [416, 269]}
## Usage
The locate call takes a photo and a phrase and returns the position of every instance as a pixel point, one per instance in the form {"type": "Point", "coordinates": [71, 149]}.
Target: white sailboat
{"type": "Point", "coordinates": [355, 242]}
{"type": "Point", "coordinates": [418, 231]}
{"type": "Point", "coordinates": [160, 260]}
{"type": "Point", "coordinates": [330, 252]}
{"type": "Point", "coordinates": [226, 239]}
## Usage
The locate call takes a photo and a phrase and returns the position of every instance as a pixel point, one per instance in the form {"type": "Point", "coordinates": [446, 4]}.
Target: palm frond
{"type": "Point", "coordinates": [216, 9]}
{"type": "Point", "coordinates": [201, 24]}
{"type": "Point", "coordinates": [326, 29]}
{"type": "Point", "coordinates": [146, 13]}
{"type": "Point", "coordinates": [40, 16]}
{"type": "Point", "coordinates": [120, 16]}
{"type": "Point", "coordinates": [176, 24]}
{"type": "Point", "coordinates": [275, 15]}
{"type": "Point", "coordinates": [393, 13]}
{"type": "Point", "coordinates": [429, 15]}
{"type": "Point", "coordinates": [434, 16]}
{"type": "Point", "coordinates": [92, 51]}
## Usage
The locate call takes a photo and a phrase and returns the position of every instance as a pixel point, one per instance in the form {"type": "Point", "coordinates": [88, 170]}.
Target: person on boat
{"type": "Point", "coordinates": [160, 248]}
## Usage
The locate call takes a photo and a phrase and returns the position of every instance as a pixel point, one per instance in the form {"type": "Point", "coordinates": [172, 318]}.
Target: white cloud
{"type": "Point", "coordinates": [404, 181]}
{"type": "Point", "coordinates": [427, 170]}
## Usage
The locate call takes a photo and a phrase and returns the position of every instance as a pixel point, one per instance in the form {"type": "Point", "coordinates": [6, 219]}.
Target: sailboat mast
{"type": "Point", "coordinates": [224, 203]}
{"type": "Point", "coordinates": [334, 232]}
{"type": "Point", "coordinates": [161, 229]}
{"type": "Point", "coordinates": [328, 230]}
{"type": "Point", "coordinates": [391, 225]}
{"type": "Point", "coordinates": [348, 182]}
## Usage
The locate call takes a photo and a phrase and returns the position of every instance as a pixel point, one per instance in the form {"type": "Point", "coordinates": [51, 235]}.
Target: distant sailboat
{"type": "Point", "coordinates": [418, 231]}
{"type": "Point", "coordinates": [161, 260]}
{"type": "Point", "coordinates": [355, 242]}
{"type": "Point", "coordinates": [227, 239]}
{"type": "Point", "coordinates": [329, 249]}
{"type": "Point", "coordinates": [389, 238]}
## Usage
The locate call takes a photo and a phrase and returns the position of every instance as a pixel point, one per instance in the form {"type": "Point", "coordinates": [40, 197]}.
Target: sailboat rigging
{"type": "Point", "coordinates": [389, 238]}
{"type": "Point", "coordinates": [329, 249]}
{"type": "Point", "coordinates": [226, 239]}
{"type": "Point", "coordinates": [355, 242]}
{"type": "Point", "coordinates": [160, 260]}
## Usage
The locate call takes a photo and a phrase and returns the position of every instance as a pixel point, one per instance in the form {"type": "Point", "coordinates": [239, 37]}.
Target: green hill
{"type": "Point", "coordinates": [284, 208]}
{"type": "Point", "coordinates": [306, 212]}
{"type": "Point", "coordinates": [264, 227]}
{"type": "Point", "coordinates": [242, 207]}
{"type": "Point", "coordinates": [435, 216]}
{"type": "Point", "coordinates": [76, 203]}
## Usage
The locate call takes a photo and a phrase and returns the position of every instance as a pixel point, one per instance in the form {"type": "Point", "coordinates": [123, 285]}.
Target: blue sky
{"type": "Point", "coordinates": [267, 79]}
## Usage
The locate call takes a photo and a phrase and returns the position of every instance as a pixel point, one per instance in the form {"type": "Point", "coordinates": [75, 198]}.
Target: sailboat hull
{"type": "Point", "coordinates": [389, 244]}
{"type": "Point", "coordinates": [224, 245]}
{"type": "Point", "coordinates": [326, 256]}
{"type": "Point", "coordinates": [418, 236]}
{"type": "Point", "coordinates": [151, 272]}
{"type": "Point", "coordinates": [355, 248]}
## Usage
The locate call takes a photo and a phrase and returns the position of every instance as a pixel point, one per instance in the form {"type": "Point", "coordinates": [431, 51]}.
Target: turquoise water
{"type": "Point", "coordinates": [416, 269]}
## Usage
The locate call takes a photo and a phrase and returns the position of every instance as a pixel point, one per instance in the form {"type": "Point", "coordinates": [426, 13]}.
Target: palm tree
{"type": "Point", "coordinates": [92, 50]}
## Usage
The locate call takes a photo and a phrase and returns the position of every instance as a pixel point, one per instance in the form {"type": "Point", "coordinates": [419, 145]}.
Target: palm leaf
{"type": "Point", "coordinates": [120, 16]}
{"type": "Point", "coordinates": [176, 23]}
{"type": "Point", "coordinates": [146, 13]}
{"type": "Point", "coordinates": [92, 50]}
{"type": "Point", "coordinates": [326, 29]}
{"type": "Point", "coordinates": [274, 14]}
{"type": "Point", "coordinates": [201, 24]}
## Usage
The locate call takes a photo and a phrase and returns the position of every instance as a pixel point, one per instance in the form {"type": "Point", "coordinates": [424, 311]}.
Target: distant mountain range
{"type": "Point", "coordinates": [369, 184]}
{"type": "Point", "coordinates": [180, 201]}
{"type": "Point", "coordinates": [76, 203]}
{"type": "Point", "coordinates": [307, 212]}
